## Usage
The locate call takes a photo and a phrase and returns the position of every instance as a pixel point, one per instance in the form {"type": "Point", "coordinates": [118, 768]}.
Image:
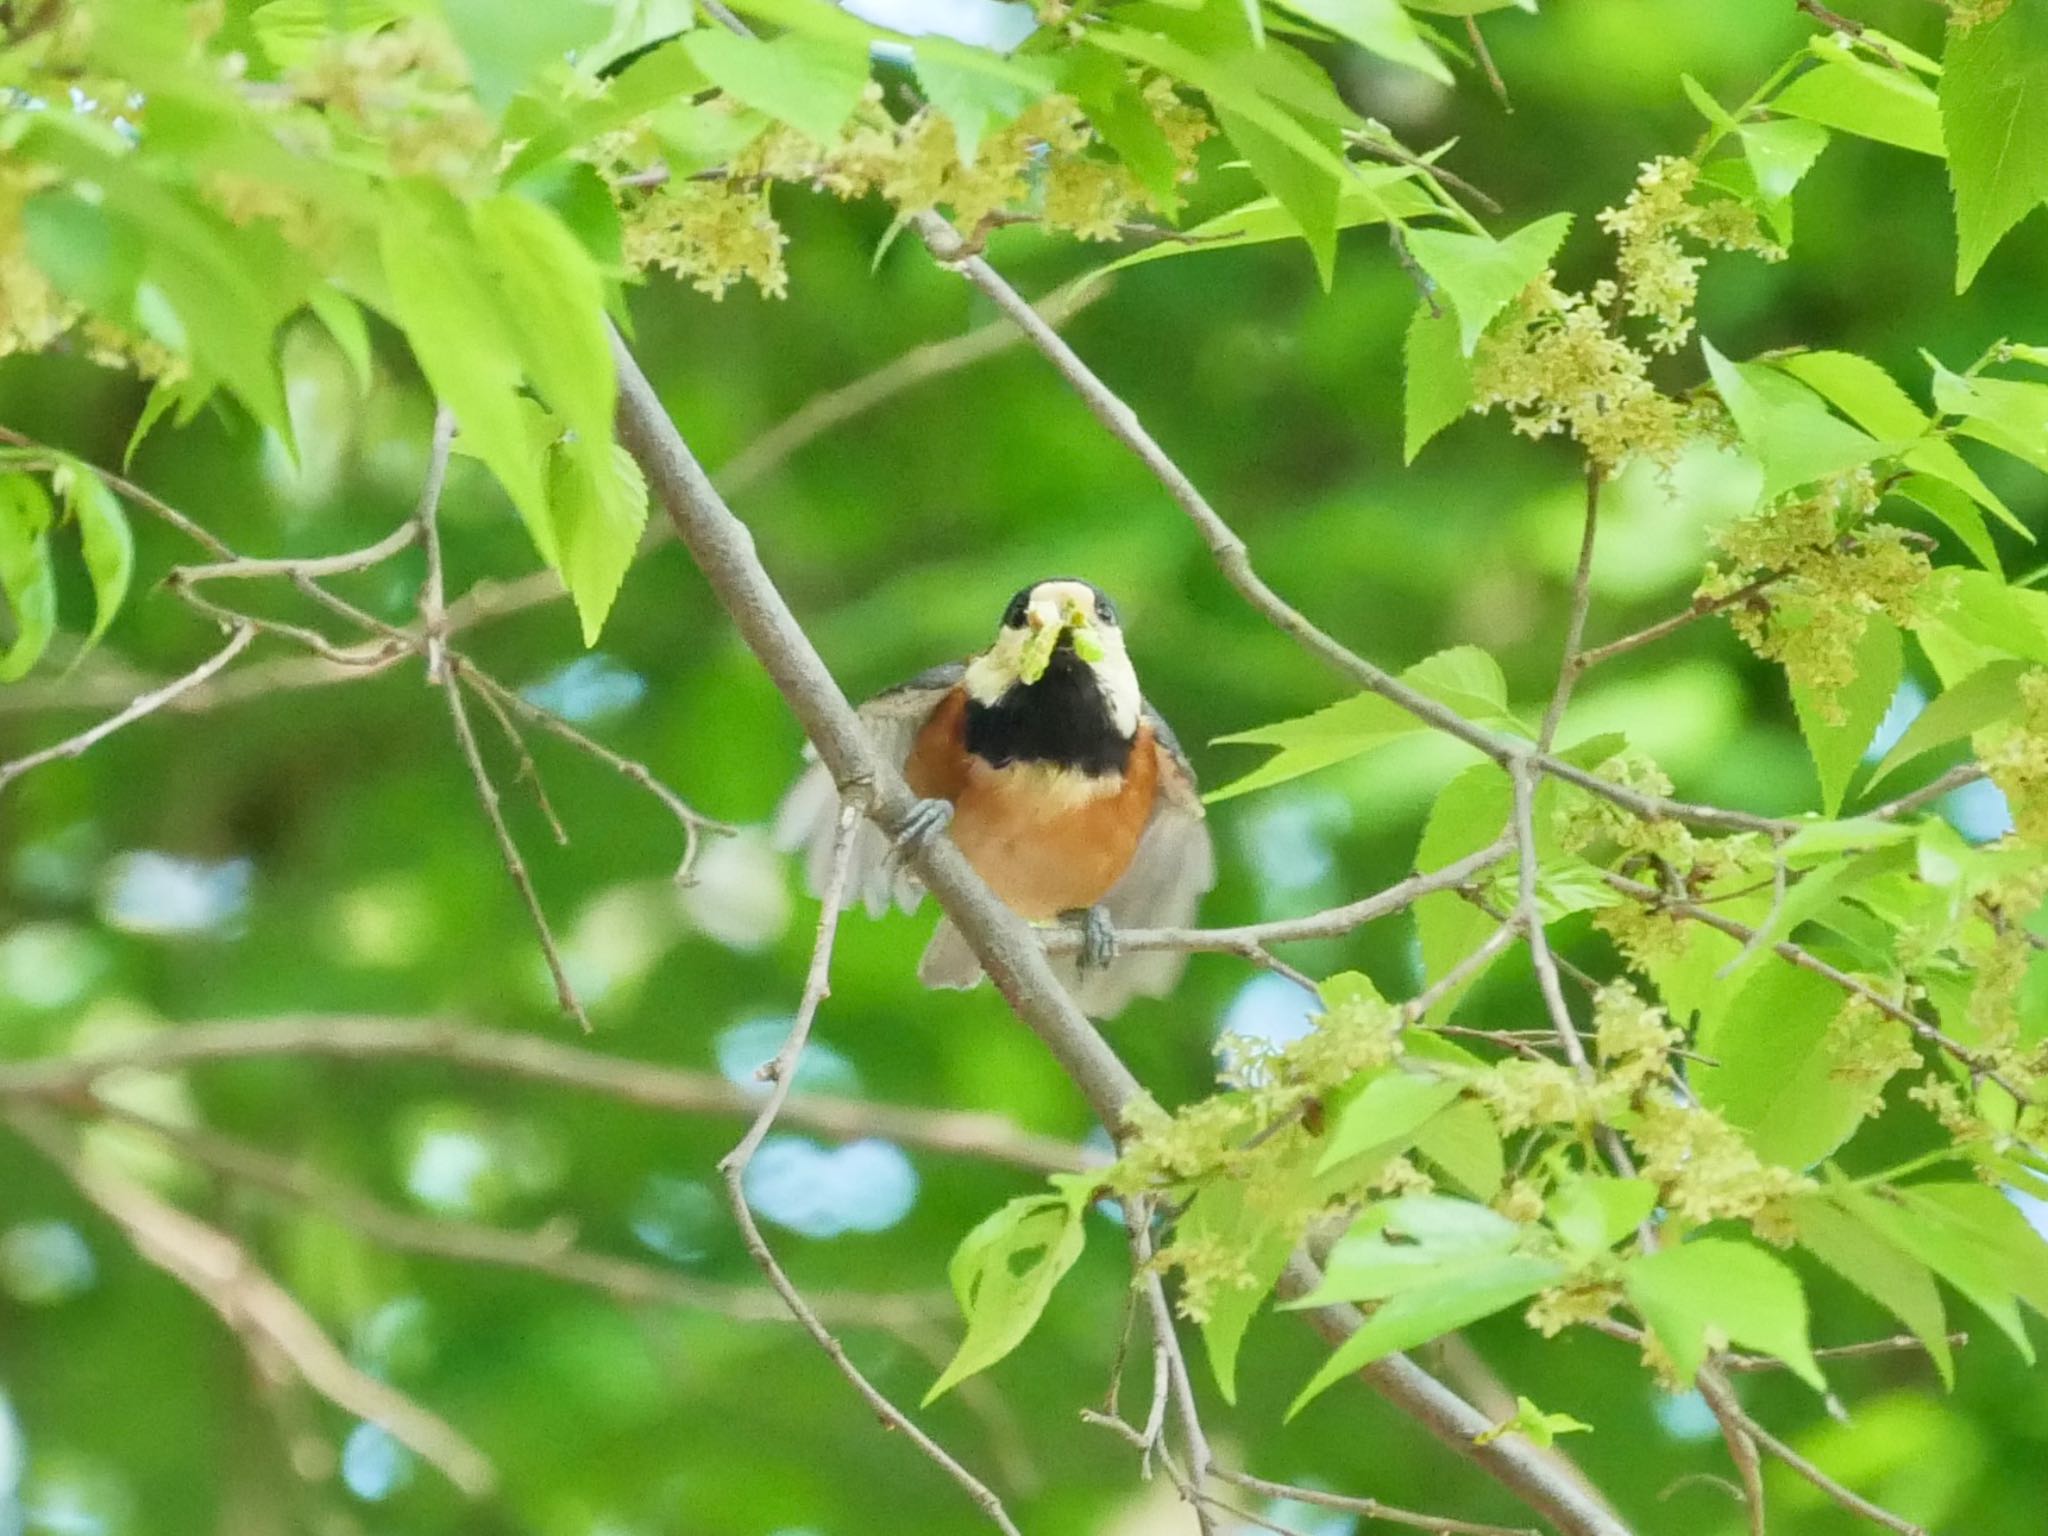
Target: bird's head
{"type": "Point", "coordinates": [1057, 634]}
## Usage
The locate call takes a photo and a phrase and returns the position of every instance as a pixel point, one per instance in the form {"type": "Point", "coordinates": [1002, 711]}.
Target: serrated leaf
{"type": "Point", "coordinates": [452, 312]}
{"type": "Point", "coordinates": [1864, 99]}
{"type": "Point", "coordinates": [1481, 276]}
{"type": "Point", "coordinates": [1785, 425]}
{"type": "Point", "coordinates": [1262, 1233]}
{"type": "Point", "coordinates": [1369, 198]}
{"type": "Point", "coordinates": [1389, 1112]}
{"type": "Point", "coordinates": [1463, 678]}
{"type": "Point", "coordinates": [343, 320]}
{"type": "Point", "coordinates": [1955, 512]}
{"type": "Point", "coordinates": [553, 303]}
{"type": "Point", "coordinates": [107, 540]}
{"type": "Point", "coordinates": [1439, 379]}
{"type": "Point", "coordinates": [810, 82]}
{"type": "Point", "coordinates": [508, 46]}
{"type": "Point", "coordinates": [1715, 1283]}
{"type": "Point", "coordinates": [1593, 1212]}
{"type": "Point", "coordinates": [1783, 1074]}
{"type": "Point", "coordinates": [1781, 152]}
{"type": "Point", "coordinates": [1457, 1298]}
{"type": "Point", "coordinates": [1838, 746]}
{"type": "Point", "coordinates": [1989, 694]}
{"type": "Point", "coordinates": [1901, 1285]}
{"type": "Point", "coordinates": [2010, 414]}
{"type": "Point", "coordinates": [1378, 26]}
{"type": "Point", "coordinates": [1003, 1273]}
{"type": "Point", "coordinates": [1994, 121]}
{"type": "Point", "coordinates": [1305, 187]}
{"type": "Point", "coordinates": [26, 578]}
{"type": "Point", "coordinates": [978, 91]}
{"type": "Point", "coordinates": [1955, 1255]}
{"type": "Point", "coordinates": [598, 501]}
{"type": "Point", "coordinates": [1464, 1142]}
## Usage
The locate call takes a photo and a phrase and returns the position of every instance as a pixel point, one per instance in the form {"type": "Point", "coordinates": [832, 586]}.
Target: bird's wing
{"type": "Point", "coordinates": [1174, 865]}
{"type": "Point", "coordinates": [809, 814]}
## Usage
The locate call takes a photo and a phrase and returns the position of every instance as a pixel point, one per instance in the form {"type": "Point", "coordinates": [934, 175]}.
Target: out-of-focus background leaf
{"type": "Point", "coordinates": [322, 851]}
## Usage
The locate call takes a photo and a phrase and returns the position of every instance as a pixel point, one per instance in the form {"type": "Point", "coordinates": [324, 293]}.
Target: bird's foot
{"type": "Point", "coordinates": [927, 819]}
{"type": "Point", "coordinates": [1098, 937]}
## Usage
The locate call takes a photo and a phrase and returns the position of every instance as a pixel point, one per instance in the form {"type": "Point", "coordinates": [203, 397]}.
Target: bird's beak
{"type": "Point", "coordinates": [1051, 622]}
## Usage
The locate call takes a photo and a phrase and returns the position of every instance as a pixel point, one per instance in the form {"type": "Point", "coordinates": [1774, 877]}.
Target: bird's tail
{"type": "Point", "coordinates": [948, 962]}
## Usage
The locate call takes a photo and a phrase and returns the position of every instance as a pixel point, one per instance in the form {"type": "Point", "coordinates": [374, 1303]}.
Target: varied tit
{"type": "Point", "coordinates": [1064, 789]}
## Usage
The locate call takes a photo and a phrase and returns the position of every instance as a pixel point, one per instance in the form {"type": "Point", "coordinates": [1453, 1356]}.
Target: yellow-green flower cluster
{"type": "Point", "coordinates": [2016, 757]}
{"type": "Point", "coordinates": [1660, 281]}
{"type": "Point", "coordinates": [1705, 1169]}
{"type": "Point", "coordinates": [1556, 366]}
{"type": "Point", "coordinates": [1583, 1299]}
{"type": "Point", "coordinates": [1869, 1048]}
{"type": "Point", "coordinates": [720, 230]}
{"type": "Point", "coordinates": [1632, 1038]}
{"type": "Point", "coordinates": [1831, 570]}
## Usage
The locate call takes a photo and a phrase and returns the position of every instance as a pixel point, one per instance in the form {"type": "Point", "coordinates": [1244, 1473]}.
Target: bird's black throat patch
{"type": "Point", "coordinates": [1062, 719]}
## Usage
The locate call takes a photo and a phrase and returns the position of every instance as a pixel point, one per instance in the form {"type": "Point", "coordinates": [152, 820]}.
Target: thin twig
{"type": "Point", "coordinates": [220, 1272]}
{"type": "Point", "coordinates": [1485, 57]}
{"type": "Point", "coordinates": [1848, 1498]}
{"type": "Point", "coordinates": [143, 704]}
{"type": "Point", "coordinates": [1371, 1509]}
{"type": "Point", "coordinates": [528, 771]}
{"type": "Point", "coordinates": [1700, 608]}
{"type": "Point", "coordinates": [780, 1074]}
{"type": "Point", "coordinates": [433, 603]}
{"type": "Point", "coordinates": [1582, 601]}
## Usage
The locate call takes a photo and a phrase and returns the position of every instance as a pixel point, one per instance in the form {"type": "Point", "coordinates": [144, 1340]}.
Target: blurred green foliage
{"type": "Point", "coordinates": [322, 851]}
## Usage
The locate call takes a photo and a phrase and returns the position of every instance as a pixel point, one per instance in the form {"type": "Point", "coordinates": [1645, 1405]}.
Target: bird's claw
{"type": "Point", "coordinates": [1098, 937]}
{"type": "Point", "coordinates": [927, 819]}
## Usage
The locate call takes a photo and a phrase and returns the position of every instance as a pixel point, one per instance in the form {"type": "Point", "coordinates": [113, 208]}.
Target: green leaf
{"type": "Point", "coordinates": [1003, 1273]}
{"type": "Point", "coordinates": [1865, 99]}
{"type": "Point", "coordinates": [1439, 387]}
{"type": "Point", "coordinates": [598, 501]}
{"type": "Point", "coordinates": [1781, 152]}
{"type": "Point", "coordinates": [1787, 428]}
{"type": "Point", "coordinates": [811, 83]}
{"type": "Point", "coordinates": [1838, 747]}
{"type": "Point", "coordinates": [26, 578]}
{"type": "Point", "coordinates": [292, 31]}
{"type": "Point", "coordinates": [1463, 678]}
{"type": "Point", "coordinates": [1370, 197]}
{"type": "Point", "coordinates": [1117, 111]}
{"type": "Point", "coordinates": [1390, 1110]}
{"type": "Point", "coordinates": [1378, 26]}
{"type": "Point", "coordinates": [1540, 1428]}
{"type": "Point", "coordinates": [1305, 187]}
{"type": "Point", "coordinates": [103, 531]}
{"type": "Point", "coordinates": [1989, 694]}
{"type": "Point", "coordinates": [1785, 1076]}
{"type": "Point", "coordinates": [453, 314]}
{"type": "Point", "coordinates": [1464, 1142]}
{"type": "Point", "coordinates": [977, 91]}
{"type": "Point", "coordinates": [509, 46]}
{"type": "Point", "coordinates": [1594, 1211]}
{"type": "Point", "coordinates": [1901, 1285]}
{"type": "Point", "coordinates": [1994, 120]}
{"type": "Point", "coordinates": [2010, 414]}
{"type": "Point", "coordinates": [1982, 1276]}
{"type": "Point", "coordinates": [553, 303]}
{"type": "Point", "coordinates": [1481, 276]}
{"type": "Point", "coordinates": [1456, 1298]}
{"type": "Point", "coordinates": [1741, 1292]}
{"type": "Point", "coordinates": [343, 320]}
{"type": "Point", "coordinates": [1955, 512]}
{"type": "Point", "coordinates": [2010, 621]}
{"type": "Point", "coordinates": [1262, 1233]}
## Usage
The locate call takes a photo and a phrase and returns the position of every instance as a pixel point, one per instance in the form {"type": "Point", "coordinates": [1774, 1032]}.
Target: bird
{"type": "Point", "coordinates": [1064, 789]}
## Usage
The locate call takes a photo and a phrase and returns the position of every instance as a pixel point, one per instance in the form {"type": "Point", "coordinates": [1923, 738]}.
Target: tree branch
{"type": "Point", "coordinates": [220, 1272]}
{"type": "Point", "coordinates": [536, 1059]}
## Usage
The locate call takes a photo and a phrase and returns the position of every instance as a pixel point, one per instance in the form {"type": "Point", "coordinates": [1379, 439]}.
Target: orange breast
{"type": "Point", "coordinates": [1047, 840]}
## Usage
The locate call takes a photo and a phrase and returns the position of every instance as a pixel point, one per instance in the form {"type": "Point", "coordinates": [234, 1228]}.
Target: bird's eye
{"type": "Point", "coordinates": [1105, 610]}
{"type": "Point", "coordinates": [1013, 616]}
